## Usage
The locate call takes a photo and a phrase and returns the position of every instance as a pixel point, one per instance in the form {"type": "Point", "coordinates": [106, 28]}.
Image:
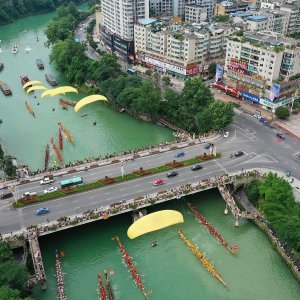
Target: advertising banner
{"type": "Point", "coordinates": [238, 64]}
{"type": "Point", "coordinates": [250, 97]}
{"type": "Point", "coordinates": [275, 92]}
{"type": "Point", "coordinates": [219, 73]}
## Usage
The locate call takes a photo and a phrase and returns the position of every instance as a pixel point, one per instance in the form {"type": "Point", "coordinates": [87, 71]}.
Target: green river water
{"type": "Point", "coordinates": [25, 137]}
{"type": "Point", "coordinates": [170, 269]}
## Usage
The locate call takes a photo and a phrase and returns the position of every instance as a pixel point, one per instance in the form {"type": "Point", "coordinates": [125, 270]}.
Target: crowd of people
{"type": "Point", "coordinates": [36, 256]}
{"type": "Point", "coordinates": [59, 280]}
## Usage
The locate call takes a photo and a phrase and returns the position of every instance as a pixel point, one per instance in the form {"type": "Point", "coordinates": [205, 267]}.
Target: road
{"type": "Point", "coordinates": [246, 134]}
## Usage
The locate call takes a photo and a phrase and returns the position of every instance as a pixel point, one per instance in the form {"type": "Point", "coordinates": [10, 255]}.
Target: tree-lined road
{"type": "Point", "coordinates": [246, 134]}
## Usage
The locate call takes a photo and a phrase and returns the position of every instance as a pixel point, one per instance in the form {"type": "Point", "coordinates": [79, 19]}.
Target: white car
{"type": "Point", "coordinates": [50, 190]}
{"type": "Point", "coordinates": [46, 181]}
{"type": "Point", "coordinates": [28, 194]}
{"type": "Point", "coordinates": [226, 134]}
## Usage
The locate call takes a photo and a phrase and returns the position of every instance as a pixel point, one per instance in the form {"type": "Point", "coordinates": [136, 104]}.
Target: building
{"type": "Point", "coordinates": [293, 15]}
{"type": "Point", "coordinates": [179, 49]}
{"type": "Point", "coordinates": [229, 7]}
{"type": "Point", "coordinates": [208, 4]}
{"type": "Point", "coordinates": [261, 65]}
{"type": "Point", "coordinates": [118, 17]}
{"type": "Point", "coordinates": [173, 8]}
{"type": "Point", "coordinates": [195, 14]}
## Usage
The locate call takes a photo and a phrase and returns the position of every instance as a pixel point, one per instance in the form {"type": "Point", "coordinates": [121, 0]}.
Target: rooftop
{"type": "Point", "coordinates": [257, 18]}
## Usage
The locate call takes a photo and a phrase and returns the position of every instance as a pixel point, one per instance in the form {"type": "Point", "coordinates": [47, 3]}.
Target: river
{"type": "Point", "coordinates": [25, 137]}
{"type": "Point", "coordinates": [170, 269]}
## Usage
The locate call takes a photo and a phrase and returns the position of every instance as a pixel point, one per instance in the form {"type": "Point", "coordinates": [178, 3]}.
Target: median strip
{"type": "Point", "coordinates": [111, 180]}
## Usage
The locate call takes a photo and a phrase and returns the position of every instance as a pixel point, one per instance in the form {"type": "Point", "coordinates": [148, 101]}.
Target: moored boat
{"type": "Point", "coordinates": [1, 66]}
{"type": "Point", "coordinates": [51, 79]}
{"type": "Point", "coordinates": [25, 79]}
{"type": "Point", "coordinates": [5, 89]}
{"type": "Point", "coordinates": [40, 64]}
{"type": "Point", "coordinates": [14, 49]}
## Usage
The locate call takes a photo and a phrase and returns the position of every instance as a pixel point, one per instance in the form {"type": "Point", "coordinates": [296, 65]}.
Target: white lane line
{"type": "Point", "coordinates": [107, 193]}
{"type": "Point", "coordinates": [137, 185]}
{"type": "Point", "coordinates": [90, 197]}
{"type": "Point", "coordinates": [222, 167]}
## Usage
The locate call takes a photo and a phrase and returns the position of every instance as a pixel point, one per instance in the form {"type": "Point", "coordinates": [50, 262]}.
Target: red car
{"type": "Point", "coordinates": [159, 182]}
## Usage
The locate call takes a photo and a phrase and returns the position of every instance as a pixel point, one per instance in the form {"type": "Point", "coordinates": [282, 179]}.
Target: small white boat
{"type": "Point", "coordinates": [14, 49]}
{"type": "Point", "coordinates": [83, 115]}
{"type": "Point", "coordinates": [27, 48]}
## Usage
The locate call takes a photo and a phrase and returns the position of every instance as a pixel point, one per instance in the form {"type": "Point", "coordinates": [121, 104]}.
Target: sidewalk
{"type": "Point", "coordinates": [290, 126]}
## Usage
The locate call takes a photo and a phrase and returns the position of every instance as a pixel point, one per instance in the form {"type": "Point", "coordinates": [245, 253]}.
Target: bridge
{"type": "Point", "coordinates": [40, 275]}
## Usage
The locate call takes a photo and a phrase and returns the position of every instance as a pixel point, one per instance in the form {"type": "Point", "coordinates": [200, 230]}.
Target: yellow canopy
{"type": "Point", "coordinates": [87, 100]}
{"type": "Point", "coordinates": [63, 90]}
{"type": "Point", "coordinates": [46, 93]}
{"type": "Point", "coordinates": [37, 87]}
{"type": "Point", "coordinates": [153, 222]}
{"type": "Point", "coordinates": [31, 83]}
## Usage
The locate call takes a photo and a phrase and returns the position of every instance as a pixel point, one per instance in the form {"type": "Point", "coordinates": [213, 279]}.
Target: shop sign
{"type": "Point", "coordinates": [255, 81]}
{"type": "Point", "coordinates": [238, 64]}
{"type": "Point", "coordinates": [165, 66]}
{"type": "Point", "coordinates": [250, 97]}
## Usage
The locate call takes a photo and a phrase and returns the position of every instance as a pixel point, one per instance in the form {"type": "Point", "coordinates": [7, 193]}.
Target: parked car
{"type": "Point", "coordinates": [159, 182]}
{"type": "Point", "coordinates": [263, 121]}
{"type": "Point", "coordinates": [42, 211]}
{"type": "Point", "coordinates": [196, 167]}
{"type": "Point", "coordinates": [238, 154]}
{"type": "Point", "coordinates": [226, 134]}
{"type": "Point", "coordinates": [172, 174]}
{"type": "Point", "coordinates": [179, 154]}
{"type": "Point", "coordinates": [46, 180]}
{"type": "Point", "coordinates": [50, 190]}
{"type": "Point", "coordinates": [28, 194]}
{"type": "Point", "coordinates": [207, 146]}
{"type": "Point", "coordinates": [6, 196]}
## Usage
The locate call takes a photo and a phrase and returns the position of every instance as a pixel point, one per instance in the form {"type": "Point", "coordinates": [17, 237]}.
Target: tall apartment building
{"type": "Point", "coordinates": [179, 50]}
{"type": "Point", "coordinates": [195, 14]}
{"type": "Point", "coordinates": [208, 4]}
{"type": "Point", "coordinates": [258, 62]}
{"type": "Point", "coordinates": [229, 7]}
{"type": "Point", "coordinates": [293, 15]}
{"type": "Point", "coordinates": [118, 17]}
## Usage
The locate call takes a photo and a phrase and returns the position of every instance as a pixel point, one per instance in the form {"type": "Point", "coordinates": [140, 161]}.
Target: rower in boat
{"type": "Point", "coordinates": [84, 114]}
{"type": "Point", "coordinates": [94, 123]}
{"type": "Point", "coordinates": [154, 244]}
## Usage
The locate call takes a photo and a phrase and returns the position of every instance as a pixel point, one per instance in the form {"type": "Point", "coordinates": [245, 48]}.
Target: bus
{"type": "Point", "coordinates": [71, 182]}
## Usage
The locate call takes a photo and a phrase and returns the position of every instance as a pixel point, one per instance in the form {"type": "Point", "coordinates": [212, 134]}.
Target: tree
{"type": "Point", "coordinates": [166, 80]}
{"type": "Point", "coordinates": [205, 121]}
{"type": "Point", "coordinates": [6, 293]}
{"type": "Point", "coordinates": [148, 72]}
{"type": "Point", "coordinates": [1, 153]}
{"type": "Point", "coordinates": [222, 114]}
{"type": "Point", "coordinates": [5, 252]}
{"type": "Point", "coordinates": [282, 112]}
{"type": "Point", "coordinates": [252, 191]}
{"type": "Point", "coordinates": [6, 164]}
{"type": "Point", "coordinates": [14, 276]}
{"type": "Point", "coordinates": [212, 68]}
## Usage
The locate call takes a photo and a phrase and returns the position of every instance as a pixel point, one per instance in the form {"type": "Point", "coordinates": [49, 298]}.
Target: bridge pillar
{"type": "Point", "coordinates": [226, 210]}
{"type": "Point", "coordinates": [237, 222]}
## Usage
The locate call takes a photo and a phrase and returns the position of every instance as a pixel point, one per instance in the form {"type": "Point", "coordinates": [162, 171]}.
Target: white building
{"type": "Point", "coordinates": [195, 14]}
{"type": "Point", "coordinates": [176, 49]}
{"type": "Point", "coordinates": [173, 8]}
{"type": "Point", "coordinates": [118, 18]}
{"type": "Point", "coordinates": [293, 14]}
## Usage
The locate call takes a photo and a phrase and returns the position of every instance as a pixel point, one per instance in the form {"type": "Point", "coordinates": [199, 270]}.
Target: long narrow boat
{"type": "Point", "coordinates": [213, 231]}
{"type": "Point", "coordinates": [29, 108]}
{"type": "Point", "coordinates": [206, 264]}
{"type": "Point", "coordinates": [60, 280]}
{"type": "Point", "coordinates": [47, 152]}
{"type": "Point", "coordinates": [101, 288]}
{"type": "Point", "coordinates": [51, 79]}
{"type": "Point", "coordinates": [60, 140]}
{"type": "Point", "coordinates": [40, 64]}
{"type": "Point", "coordinates": [56, 150]}
{"type": "Point", "coordinates": [66, 132]}
{"type": "Point", "coordinates": [66, 102]}
{"type": "Point", "coordinates": [130, 265]}
{"type": "Point", "coordinates": [108, 287]}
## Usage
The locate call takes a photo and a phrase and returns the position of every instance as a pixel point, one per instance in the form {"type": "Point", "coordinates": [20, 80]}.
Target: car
{"type": "Point", "coordinates": [28, 194]}
{"type": "Point", "coordinates": [172, 174]}
{"type": "Point", "coordinates": [159, 182]}
{"type": "Point", "coordinates": [196, 167]}
{"type": "Point", "coordinates": [280, 136]}
{"type": "Point", "coordinates": [207, 146]}
{"type": "Point", "coordinates": [42, 211]}
{"type": "Point", "coordinates": [6, 196]}
{"type": "Point", "coordinates": [226, 134]}
{"type": "Point", "coordinates": [263, 121]}
{"type": "Point", "coordinates": [50, 190]}
{"type": "Point", "coordinates": [179, 154]}
{"type": "Point", "coordinates": [46, 180]}
{"type": "Point", "coordinates": [238, 154]}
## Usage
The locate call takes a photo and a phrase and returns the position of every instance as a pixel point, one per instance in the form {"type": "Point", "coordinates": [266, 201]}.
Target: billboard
{"type": "Point", "coordinates": [219, 73]}
{"type": "Point", "coordinates": [275, 92]}
{"type": "Point", "coordinates": [250, 97]}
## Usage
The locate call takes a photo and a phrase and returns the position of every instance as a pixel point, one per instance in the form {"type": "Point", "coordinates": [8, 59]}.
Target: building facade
{"type": "Point", "coordinates": [118, 17]}
{"type": "Point", "coordinates": [195, 14]}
